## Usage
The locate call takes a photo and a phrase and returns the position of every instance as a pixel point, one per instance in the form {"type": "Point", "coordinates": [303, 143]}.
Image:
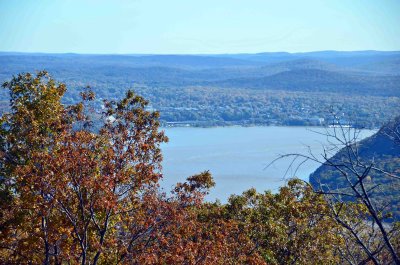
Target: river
{"type": "Point", "coordinates": [237, 156]}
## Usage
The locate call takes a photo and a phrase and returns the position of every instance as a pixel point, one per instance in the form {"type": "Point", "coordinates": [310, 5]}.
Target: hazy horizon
{"type": "Point", "coordinates": [203, 54]}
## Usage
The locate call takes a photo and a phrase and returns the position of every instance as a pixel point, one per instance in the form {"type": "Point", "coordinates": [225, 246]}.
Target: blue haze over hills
{"type": "Point", "coordinates": [223, 89]}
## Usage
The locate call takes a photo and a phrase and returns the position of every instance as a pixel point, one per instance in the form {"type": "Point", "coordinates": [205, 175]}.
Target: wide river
{"type": "Point", "coordinates": [237, 156]}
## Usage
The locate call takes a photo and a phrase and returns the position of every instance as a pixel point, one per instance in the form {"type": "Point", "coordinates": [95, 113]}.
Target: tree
{"type": "Point", "coordinates": [371, 214]}
{"type": "Point", "coordinates": [64, 186]}
{"type": "Point", "coordinates": [36, 116]}
{"type": "Point", "coordinates": [356, 189]}
{"type": "Point", "coordinates": [290, 227]}
{"type": "Point", "coordinates": [182, 229]}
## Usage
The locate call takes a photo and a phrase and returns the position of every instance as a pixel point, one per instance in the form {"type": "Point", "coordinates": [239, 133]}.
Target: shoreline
{"type": "Point", "coordinates": [263, 125]}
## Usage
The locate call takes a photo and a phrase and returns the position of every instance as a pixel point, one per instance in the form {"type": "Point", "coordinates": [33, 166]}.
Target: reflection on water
{"type": "Point", "coordinates": [237, 156]}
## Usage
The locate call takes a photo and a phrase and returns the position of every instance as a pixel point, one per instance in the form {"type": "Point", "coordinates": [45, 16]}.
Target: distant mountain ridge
{"type": "Point", "coordinates": [291, 71]}
{"type": "Point", "coordinates": [316, 80]}
{"type": "Point", "coordinates": [343, 59]}
{"type": "Point", "coordinates": [263, 88]}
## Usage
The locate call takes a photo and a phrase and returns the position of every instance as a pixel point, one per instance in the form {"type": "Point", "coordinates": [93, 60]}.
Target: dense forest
{"type": "Point", "coordinates": [234, 89]}
{"type": "Point", "coordinates": [72, 193]}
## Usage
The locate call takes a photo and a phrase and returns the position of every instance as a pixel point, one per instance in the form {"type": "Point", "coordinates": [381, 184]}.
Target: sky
{"type": "Point", "coordinates": [198, 26]}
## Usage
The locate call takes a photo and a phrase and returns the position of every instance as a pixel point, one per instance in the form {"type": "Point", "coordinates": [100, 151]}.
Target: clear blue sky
{"type": "Point", "coordinates": [198, 26]}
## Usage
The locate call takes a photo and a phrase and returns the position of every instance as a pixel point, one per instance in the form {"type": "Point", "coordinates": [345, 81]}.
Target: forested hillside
{"type": "Point", "coordinates": [380, 151]}
{"type": "Point", "coordinates": [245, 89]}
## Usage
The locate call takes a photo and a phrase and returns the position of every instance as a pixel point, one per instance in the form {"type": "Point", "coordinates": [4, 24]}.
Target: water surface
{"type": "Point", "coordinates": [237, 156]}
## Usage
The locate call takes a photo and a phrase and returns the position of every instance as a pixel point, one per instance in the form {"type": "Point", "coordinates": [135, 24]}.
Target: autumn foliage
{"type": "Point", "coordinates": [81, 187]}
{"type": "Point", "coordinates": [73, 193]}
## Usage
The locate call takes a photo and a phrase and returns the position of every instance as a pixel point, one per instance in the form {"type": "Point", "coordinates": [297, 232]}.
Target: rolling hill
{"type": "Point", "coordinates": [264, 88]}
